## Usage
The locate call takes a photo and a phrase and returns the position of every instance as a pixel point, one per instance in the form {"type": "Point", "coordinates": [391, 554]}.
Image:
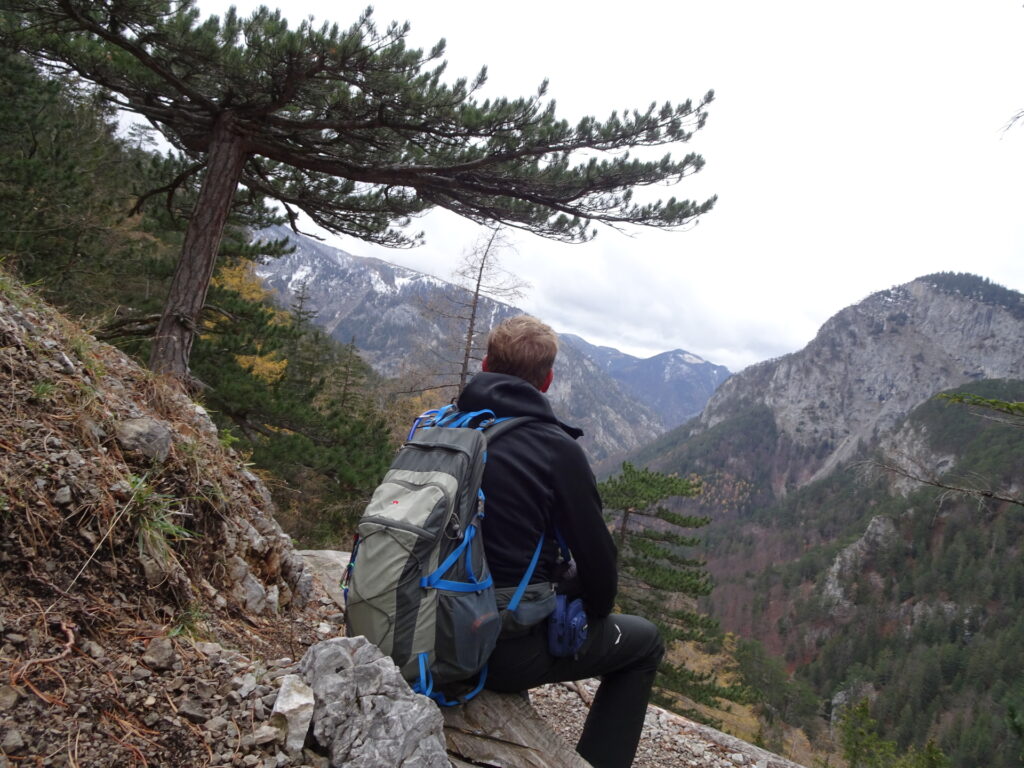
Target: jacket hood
{"type": "Point", "coordinates": [510, 396]}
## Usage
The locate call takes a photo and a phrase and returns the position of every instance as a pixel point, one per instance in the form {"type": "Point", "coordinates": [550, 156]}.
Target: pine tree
{"type": "Point", "coordinates": [864, 748]}
{"type": "Point", "coordinates": [349, 126]}
{"type": "Point", "coordinates": [65, 183]}
{"type": "Point", "coordinates": [652, 548]}
{"type": "Point", "coordinates": [658, 579]}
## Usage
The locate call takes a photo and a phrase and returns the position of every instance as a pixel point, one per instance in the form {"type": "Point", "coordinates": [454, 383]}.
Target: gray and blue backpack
{"type": "Point", "coordinates": [418, 585]}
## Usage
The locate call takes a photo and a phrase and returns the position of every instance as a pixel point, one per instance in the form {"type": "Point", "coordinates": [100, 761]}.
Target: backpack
{"type": "Point", "coordinates": [417, 584]}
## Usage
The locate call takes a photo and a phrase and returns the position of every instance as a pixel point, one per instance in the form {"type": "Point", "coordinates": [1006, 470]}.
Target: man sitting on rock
{"type": "Point", "coordinates": [537, 481]}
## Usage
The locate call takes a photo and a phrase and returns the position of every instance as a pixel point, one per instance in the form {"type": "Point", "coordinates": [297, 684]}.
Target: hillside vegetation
{"type": "Point", "coordinates": [135, 550]}
{"type": "Point", "coordinates": [837, 538]}
{"type": "Point", "coordinates": [79, 220]}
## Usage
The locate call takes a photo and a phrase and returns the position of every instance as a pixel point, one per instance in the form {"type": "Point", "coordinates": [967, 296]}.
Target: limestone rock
{"type": "Point", "coordinates": [265, 734]}
{"type": "Point", "coordinates": [9, 696]}
{"type": "Point", "coordinates": [294, 706]}
{"type": "Point", "coordinates": [328, 566]}
{"type": "Point", "coordinates": [148, 436]}
{"type": "Point", "coordinates": [251, 593]}
{"type": "Point", "coordinates": [13, 742]}
{"type": "Point", "coordinates": [365, 714]}
{"type": "Point", "coordinates": [160, 655]}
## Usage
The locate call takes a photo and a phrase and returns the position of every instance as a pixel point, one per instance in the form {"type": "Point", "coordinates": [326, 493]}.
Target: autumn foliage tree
{"type": "Point", "coordinates": [349, 126]}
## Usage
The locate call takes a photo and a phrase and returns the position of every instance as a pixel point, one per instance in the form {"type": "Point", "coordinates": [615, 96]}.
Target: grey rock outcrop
{"type": "Point", "coordinates": [869, 366]}
{"type": "Point", "coordinates": [148, 436]}
{"type": "Point", "coordinates": [328, 566]}
{"type": "Point", "coordinates": [365, 715]}
{"type": "Point", "coordinates": [880, 534]}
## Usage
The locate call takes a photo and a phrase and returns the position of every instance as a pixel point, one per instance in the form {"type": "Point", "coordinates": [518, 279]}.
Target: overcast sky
{"type": "Point", "coordinates": [852, 146]}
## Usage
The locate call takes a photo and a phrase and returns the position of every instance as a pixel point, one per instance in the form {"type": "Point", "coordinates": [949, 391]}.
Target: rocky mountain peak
{"type": "Point", "coordinates": [870, 364]}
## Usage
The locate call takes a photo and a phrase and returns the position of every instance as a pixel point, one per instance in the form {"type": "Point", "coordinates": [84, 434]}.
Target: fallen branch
{"type": "Point", "coordinates": [45, 697]}
{"type": "Point", "coordinates": [20, 673]}
{"type": "Point", "coordinates": [583, 693]}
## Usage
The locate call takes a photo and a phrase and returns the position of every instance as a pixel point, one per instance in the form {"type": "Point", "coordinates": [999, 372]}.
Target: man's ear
{"type": "Point", "coordinates": [547, 381]}
{"type": "Point", "coordinates": [484, 364]}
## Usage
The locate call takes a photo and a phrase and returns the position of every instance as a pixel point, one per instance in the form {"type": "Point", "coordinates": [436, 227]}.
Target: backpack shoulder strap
{"type": "Point", "coordinates": [497, 428]}
{"type": "Point", "coordinates": [493, 431]}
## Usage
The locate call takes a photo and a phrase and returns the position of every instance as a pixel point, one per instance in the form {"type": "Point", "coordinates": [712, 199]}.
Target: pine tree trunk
{"type": "Point", "coordinates": [172, 344]}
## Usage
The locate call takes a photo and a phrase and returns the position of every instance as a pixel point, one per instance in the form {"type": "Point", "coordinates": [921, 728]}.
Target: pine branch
{"type": "Point", "coordinates": [926, 478]}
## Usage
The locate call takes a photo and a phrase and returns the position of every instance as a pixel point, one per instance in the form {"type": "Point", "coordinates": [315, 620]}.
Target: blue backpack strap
{"type": "Point", "coordinates": [433, 416]}
{"type": "Point", "coordinates": [425, 684]}
{"type": "Point", "coordinates": [441, 700]}
{"type": "Point", "coordinates": [483, 417]}
{"type": "Point", "coordinates": [525, 581]}
{"type": "Point", "coordinates": [434, 580]}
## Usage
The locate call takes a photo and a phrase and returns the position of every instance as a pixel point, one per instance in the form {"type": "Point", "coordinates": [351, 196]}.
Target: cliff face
{"type": "Point", "coordinates": [866, 369]}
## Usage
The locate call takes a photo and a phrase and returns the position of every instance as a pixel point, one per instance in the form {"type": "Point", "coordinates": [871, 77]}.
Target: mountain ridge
{"type": "Point", "coordinates": [868, 582]}
{"type": "Point", "coordinates": [388, 312]}
{"type": "Point", "coordinates": [655, 379]}
{"type": "Point", "coordinates": [881, 381]}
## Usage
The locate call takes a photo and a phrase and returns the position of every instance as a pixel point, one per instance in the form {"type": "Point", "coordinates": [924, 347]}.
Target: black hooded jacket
{"type": "Point", "coordinates": [537, 478]}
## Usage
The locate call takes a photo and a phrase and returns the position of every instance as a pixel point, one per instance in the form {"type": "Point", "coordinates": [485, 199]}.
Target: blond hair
{"type": "Point", "coordinates": [522, 346]}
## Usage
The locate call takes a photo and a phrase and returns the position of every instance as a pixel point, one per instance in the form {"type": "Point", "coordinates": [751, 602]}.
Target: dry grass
{"type": "Point", "coordinates": [101, 545]}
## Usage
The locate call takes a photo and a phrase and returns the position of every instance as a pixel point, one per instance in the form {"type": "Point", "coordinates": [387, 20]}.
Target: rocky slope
{"type": "Point", "coordinates": [866, 369]}
{"type": "Point", "coordinates": [152, 612]}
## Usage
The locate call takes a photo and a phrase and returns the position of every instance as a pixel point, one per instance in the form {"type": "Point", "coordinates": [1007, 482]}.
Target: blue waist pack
{"type": "Point", "coordinates": [567, 627]}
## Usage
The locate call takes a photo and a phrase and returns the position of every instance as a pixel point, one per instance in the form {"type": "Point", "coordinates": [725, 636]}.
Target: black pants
{"type": "Point", "coordinates": [624, 651]}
